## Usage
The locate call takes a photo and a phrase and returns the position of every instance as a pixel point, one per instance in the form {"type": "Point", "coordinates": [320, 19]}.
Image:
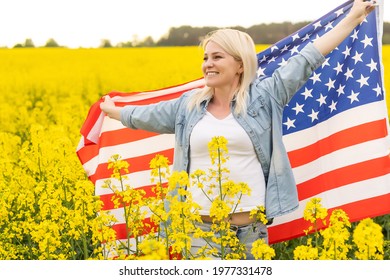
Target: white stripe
{"type": "Point", "coordinates": [151, 145]}
{"type": "Point", "coordinates": [347, 119]}
{"type": "Point", "coordinates": [344, 195]}
{"type": "Point", "coordinates": [138, 148]}
{"type": "Point", "coordinates": [135, 180]}
{"type": "Point", "coordinates": [158, 93]}
{"type": "Point", "coordinates": [341, 158]}
{"type": "Point", "coordinates": [118, 213]}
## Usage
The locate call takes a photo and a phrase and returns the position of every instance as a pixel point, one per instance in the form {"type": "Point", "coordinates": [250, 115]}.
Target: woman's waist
{"type": "Point", "coordinates": [238, 219]}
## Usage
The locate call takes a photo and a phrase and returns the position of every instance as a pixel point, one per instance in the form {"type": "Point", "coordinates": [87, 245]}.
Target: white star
{"type": "Point", "coordinates": [316, 77]}
{"type": "Point", "coordinates": [307, 93]}
{"type": "Point", "coordinates": [321, 100]}
{"type": "Point", "coordinates": [274, 47]}
{"type": "Point", "coordinates": [329, 26]}
{"type": "Point", "coordinates": [271, 60]}
{"type": "Point", "coordinates": [260, 72]}
{"type": "Point", "coordinates": [294, 50]}
{"type": "Point", "coordinates": [347, 52]}
{"type": "Point", "coordinates": [332, 106]}
{"type": "Point", "coordinates": [264, 58]}
{"type": "Point", "coordinates": [317, 25]}
{"type": "Point", "coordinates": [325, 63]}
{"type": "Point", "coordinates": [348, 73]}
{"type": "Point", "coordinates": [283, 62]}
{"type": "Point", "coordinates": [340, 90]}
{"type": "Point", "coordinates": [330, 84]}
{"type": "Point", "coordinates": [289, 123]}
{"type": "Point", "coordinates": [363, 80]}
{"type": "Point", "coordinates": [295, 36]}
{"type": "Point", "coordinates": [354, 36]}
{"type": "Point", "coordinates": [357, 57]}
{"type": "Point", "coordinates": [378, 90]}
{"type": "Point", "coordinates": [313, 115]}
{"type": "Point", "coordinates": [307, 37]}
{"type": "Point", "coordinates": [285, 48]}
{"type": "Point", "coordinates": [366, 41]}
{"type": "Point", "coordinates": [339, 12]}
{"type": "Point", "coordinates": [298, 108]}
{"type": "Point", "coordinates": [339, 67]}
{"type": "Point", "coordinates": [353, 96]}
{"type": "Point", "coordinates": [372, 65]}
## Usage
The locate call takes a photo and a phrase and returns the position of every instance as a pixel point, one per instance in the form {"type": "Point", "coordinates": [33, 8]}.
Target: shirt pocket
{"type": "Point", "coordinates": [260, 113]}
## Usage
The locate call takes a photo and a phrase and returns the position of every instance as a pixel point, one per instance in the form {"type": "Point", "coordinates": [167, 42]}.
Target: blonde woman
{"type": "Point", "coordinates": [247, 111]}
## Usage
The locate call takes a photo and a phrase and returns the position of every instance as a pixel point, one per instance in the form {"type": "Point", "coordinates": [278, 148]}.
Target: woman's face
{"type": "Point", "coordinates": [219, 68]}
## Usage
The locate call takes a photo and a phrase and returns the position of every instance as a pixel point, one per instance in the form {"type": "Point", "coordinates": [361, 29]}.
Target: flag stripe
{"type": "Point", "coordinates": [357, 210]}
{"type": "Point", "coordinates": [344, 176]}
{"type": "Point", "coordinates": [142, 164]}
{"type": "Point", "coordinates": [356, 116]}
{"type": "Point", "coordinates": [342, 139]}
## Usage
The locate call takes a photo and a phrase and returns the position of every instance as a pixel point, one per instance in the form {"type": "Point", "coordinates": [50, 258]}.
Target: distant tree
{"type": "Point", "coordinates": [105, 43]}
{"type": "Point", "coordinates": [29, 43]}
{"type": "Point", "coordinates": [124, 45]}
{"type": "Point", "coordinates": [147, 42]}
{"type": "Point", "coordinates": [51, 43]}
{"type": "Point", "coordinates": [18, 45]}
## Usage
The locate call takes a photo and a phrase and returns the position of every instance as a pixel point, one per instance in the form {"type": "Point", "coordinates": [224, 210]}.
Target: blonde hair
{"type": "Point", "coordinates": [241, 46]}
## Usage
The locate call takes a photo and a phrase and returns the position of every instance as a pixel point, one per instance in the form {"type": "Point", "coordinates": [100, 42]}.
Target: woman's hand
{"type": "Point", "coordinates": [108, 107]}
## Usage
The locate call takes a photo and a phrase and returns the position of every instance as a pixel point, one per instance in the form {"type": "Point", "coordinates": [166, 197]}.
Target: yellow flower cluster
{"type": "Point", "coordinates": [334, 242]}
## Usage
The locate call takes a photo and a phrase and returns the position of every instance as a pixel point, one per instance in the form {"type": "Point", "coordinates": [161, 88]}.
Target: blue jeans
{"type": "Point", "coordinates": [246, 234]}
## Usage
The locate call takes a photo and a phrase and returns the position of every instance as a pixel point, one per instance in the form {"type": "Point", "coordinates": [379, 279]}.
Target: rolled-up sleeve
{"type": "Point", "coordinates": [159, 117]}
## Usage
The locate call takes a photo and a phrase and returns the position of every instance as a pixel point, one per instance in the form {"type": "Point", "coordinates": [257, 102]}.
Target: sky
{"type": "Point", "coordinates": [84, 23]}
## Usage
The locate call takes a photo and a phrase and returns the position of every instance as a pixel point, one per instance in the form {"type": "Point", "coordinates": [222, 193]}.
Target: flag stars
{"type": "Point", "coordinates": [289, 123]}
{"type": "Point", "coordinates": [330, 84]}
{"type": "Point", "coordinates": [295, 37]}
{"type": "Point", "coordinates": [354, 36]}
{"type": "Point", "coordinates": [321, 100]}
{"type": "Point", "coordinates": [378, 90]}
{"type": "Point", "coordinates": [340, 90]}
{"type": "Point", "coordinates": [329, 26]}
{"type": "Point", "coordinates": [372, 65]}
{"type": "Point", "coordinates": [313, 115]}
{"type": "Point", "coordinates": [338, 68]}
{"type": "Point", "coordinates": [367, 41]}
{"type": "Point", "coordinates": [332, 106]}
{"type": "Point", "coordinates": [307, 93]}
{"type": "Point", "coordinates": [363, 81]}
{"type": "Point", "coordinates": [298, 108]}
{"type": "Point", "coordinates": [283, 62]}
{"type": "Point", "coordinates": [325, 63]}
{"type": "Point", "coordinates": [317, 25]}
{"type": "Point", "coordinates": [348, 73]}
{"type": "Point", "coordinates": [315, 77]}
{"type": "Point", "coordinates": [353, 96]}
{"type": "Point", "coordinates": [357, 57]}
{"type": "Point", "coordinates": [347, 52]}
{"type": "Point", "coordinates": [294, 50]}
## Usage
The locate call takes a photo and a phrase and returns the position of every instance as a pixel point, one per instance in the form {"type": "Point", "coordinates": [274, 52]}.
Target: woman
{"type": "Point", "coordinates": [245, 110]}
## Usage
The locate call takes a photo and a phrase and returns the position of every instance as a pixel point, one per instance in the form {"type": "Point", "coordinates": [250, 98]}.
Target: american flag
{"type": "Point", "coordinates": [335, 129]}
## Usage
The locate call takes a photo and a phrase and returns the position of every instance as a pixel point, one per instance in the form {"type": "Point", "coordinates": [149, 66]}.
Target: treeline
{"type": "Point", "coordinates": [191, 36]}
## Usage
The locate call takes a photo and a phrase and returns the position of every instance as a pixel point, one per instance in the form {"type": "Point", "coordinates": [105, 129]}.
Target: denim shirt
{"type": "Point", "coordinates": [263, 123]}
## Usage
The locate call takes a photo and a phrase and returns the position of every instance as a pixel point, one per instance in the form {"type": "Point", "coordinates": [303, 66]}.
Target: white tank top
{"type": "Point", "coordinates": [242, 163]}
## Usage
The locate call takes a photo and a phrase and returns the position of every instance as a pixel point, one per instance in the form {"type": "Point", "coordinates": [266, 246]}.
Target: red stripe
{"type": "Point", "coordinates": [137, 164]}
{"type": "Point", "coordinates": [123, 136]}
{"type": "Point", "coordinates": [87, 153]}
{"type": "Point", "coordinates": [107, 198]}
{"type": "Point", "coordinates": [344, 176]}
{"type": "Point", "coordinates": [121, 232]}
{"type": "Point", "coordinates": [371, 207]}
{"type": "Point", "coordinates": [342, 139]}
